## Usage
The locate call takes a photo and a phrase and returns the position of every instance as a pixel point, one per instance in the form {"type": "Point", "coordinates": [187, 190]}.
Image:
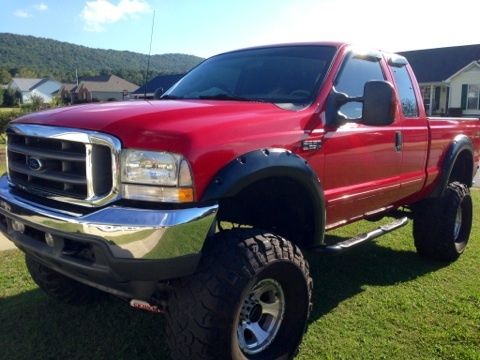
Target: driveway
{"type": "Point", "coordinates": [5, 244]}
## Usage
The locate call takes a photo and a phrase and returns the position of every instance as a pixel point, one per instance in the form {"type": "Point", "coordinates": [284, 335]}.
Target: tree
{"type": "Point", "coordinates": [11, 97]}
{"type": "Point", "coordinates": [27, 56]}
{"type": "Point", "coordinates": [5, 77]}
{"type": "Point", "coordinates": [26, 73]}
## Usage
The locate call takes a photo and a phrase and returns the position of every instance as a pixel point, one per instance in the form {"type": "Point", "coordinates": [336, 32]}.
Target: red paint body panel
{"type": "Point", "coordinates": [358, 166]}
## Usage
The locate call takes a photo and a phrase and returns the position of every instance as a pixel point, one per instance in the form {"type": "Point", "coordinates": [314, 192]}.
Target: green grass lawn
{"type": "Point", "coordinates": [379, 301]}
{"type": "Point", "coordinates": [7, 109]}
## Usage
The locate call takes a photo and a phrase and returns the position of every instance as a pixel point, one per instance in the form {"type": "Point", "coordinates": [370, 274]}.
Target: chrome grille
{"type": "Point", "coordinates": [64, 164]}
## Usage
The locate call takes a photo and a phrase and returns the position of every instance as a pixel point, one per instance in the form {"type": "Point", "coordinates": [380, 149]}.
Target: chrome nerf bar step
{"type": "Point", "coordinates": [360, 239]}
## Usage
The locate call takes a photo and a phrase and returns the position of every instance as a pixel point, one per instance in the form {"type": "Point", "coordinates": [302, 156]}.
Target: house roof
{"type": "Point", "coordinates": [101, 78]}
{"type": "Point", "coordinates": [161, 81]}
{"type": "Point", "coordinates": [436, 65]}
{"type": "Point", "coordinates": [472, 65]}
{"type": "Point", "coordinates": [110, 83]}
{"type": "Point", "coordinates": [25, 84]}
{"type": "Point", "coordinates": [68, 87]}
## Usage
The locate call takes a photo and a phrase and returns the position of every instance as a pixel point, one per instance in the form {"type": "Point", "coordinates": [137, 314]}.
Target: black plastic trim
{"type": "Point", "coordinates": [460, 143]}
{"type": "Point", "coordinates": [269, 163]}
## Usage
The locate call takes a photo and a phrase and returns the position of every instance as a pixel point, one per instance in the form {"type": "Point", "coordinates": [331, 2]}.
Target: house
{"type": "Point", "coordinates": [98, 88]}
{"type": "Point", "coordinates": [45, 88]}
{"type": "Point", "coordinates": [449, 79]}
{"type": "Point", "coordinates": [163, 82]}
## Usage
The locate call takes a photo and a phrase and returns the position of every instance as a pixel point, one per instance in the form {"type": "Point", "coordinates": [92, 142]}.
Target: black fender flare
{"type": "Point", "coordinates": [460, 144]}
{"type": "Point", "coordinates": [269, 163]}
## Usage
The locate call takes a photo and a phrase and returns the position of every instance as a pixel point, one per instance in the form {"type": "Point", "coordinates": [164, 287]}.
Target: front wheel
{"type": "Point", "coordinates": [441, 227]}
{"type": "Point", "coordinates": [250, 299]}
{"type": "Point", "coordinates": [60, 287]}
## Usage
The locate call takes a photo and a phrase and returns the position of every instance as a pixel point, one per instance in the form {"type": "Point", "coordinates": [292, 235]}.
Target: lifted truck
{"type": "Point", "coordinates": [286, 142]}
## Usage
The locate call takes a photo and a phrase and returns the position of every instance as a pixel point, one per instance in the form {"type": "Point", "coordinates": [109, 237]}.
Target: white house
{"type": "Point", "coordinates": [449, 79]}
{"type": "Point", "coordinates": [465, 89]}
{"type": "Point", "coordinates": [46, 88]}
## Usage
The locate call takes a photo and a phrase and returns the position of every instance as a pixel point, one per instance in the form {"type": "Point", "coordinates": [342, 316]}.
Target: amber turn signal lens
{"type": "Point", "coordinates": [185, 195]}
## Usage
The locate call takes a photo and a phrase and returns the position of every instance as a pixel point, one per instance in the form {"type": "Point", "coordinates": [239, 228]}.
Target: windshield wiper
{"type": "Point", "coordinates": [170, 97]}
{"type": "Point", "coordinates": [225, 97]}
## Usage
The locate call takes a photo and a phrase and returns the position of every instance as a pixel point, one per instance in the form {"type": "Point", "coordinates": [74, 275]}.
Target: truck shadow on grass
{"type": "Point", "coordinates": [33, 326]}
{"type": "Point", "coordinates": [340, 277]}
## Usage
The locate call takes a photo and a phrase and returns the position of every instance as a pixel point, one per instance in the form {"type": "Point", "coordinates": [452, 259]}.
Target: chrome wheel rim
{"type": "Point", "coordinates": [458, 224]}
{"type": "Point", "coordinates": [261, 316]}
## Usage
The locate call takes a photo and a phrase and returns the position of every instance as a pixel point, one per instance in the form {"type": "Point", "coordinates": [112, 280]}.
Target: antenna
{"type": "Point", "coordinates": [149, 54]}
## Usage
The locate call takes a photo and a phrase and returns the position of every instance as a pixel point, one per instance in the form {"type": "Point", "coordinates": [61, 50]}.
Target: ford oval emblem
{"type": "Point", "coordinates": [34, 164]}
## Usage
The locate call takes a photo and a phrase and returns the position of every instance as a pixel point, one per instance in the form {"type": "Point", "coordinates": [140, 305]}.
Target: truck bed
{"type": "Point", "coordinates": [442, 131]}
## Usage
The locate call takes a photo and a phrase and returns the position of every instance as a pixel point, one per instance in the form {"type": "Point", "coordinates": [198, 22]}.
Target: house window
{"type": "Point", "coordinates": [426, 97]}
{"type": "Point", "coordinates": [473, 97]}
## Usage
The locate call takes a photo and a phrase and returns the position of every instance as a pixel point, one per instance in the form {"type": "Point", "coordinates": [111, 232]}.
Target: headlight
{"type": "Point", "coordinates": [156, 176]}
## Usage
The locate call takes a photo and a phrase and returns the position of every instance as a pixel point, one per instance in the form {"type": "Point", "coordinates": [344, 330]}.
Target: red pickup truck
{"type": "Point", "coordinates": [200, 204]}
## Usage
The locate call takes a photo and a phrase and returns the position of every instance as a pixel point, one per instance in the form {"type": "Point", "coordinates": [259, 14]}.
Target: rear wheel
{"type": "Point", "coordinates": [442, 226]}
{"type": "Point", "coordinates": [250, 299]}
{"type": "Point", "coordinates": [60, 287]}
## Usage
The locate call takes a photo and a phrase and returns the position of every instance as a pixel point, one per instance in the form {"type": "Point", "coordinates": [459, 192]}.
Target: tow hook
{"type": "Point", "coordinates": [143, 305]}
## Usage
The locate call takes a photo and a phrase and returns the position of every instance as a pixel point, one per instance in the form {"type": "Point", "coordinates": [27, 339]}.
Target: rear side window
{"type": "Point", "coordinates": [405, 90]}
{"type": "Point", "coordinates": [355, 73]}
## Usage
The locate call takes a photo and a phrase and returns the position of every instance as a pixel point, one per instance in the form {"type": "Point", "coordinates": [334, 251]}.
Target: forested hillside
{"type": "Point", "coordinates": [29, 56]}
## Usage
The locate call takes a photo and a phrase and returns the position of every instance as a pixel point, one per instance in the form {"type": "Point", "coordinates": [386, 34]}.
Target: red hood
{"type": "Point", "coordinates": [208, 133]}
{"type": "Point", "coordinates": [131, 121]}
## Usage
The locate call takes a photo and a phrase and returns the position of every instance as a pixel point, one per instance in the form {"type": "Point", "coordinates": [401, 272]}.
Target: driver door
{"type": "Point", "coordinates": [362, 164]}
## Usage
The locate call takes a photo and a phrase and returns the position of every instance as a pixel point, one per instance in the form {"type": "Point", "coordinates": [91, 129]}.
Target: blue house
{"type": "Point", "coordinates": [163, 82]}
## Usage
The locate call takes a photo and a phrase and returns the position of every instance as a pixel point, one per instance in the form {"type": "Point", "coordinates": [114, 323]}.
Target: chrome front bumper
{"type": "Point", "coordinates": [129, 233]}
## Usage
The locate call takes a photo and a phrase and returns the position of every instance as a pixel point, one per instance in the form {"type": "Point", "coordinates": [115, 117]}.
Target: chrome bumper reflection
{"type": "Point", "coordinates": [130, 233]}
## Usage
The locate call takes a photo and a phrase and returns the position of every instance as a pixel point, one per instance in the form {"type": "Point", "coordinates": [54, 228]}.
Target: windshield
{"type": "Point", "coordinates": [282, 75]}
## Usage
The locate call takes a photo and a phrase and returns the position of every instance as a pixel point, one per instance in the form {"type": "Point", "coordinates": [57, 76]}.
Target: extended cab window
{"type": "Point", "coordinates": [288, 76]}
{"type": "Point", "coordinates": [405, 91]}
{"type": "Point", "coordinates": [356, 71]}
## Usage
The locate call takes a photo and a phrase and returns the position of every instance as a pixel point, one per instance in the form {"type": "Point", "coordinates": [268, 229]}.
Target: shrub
{"type": "Point", "coordinates": [11, 97]}
{"type": "Point", "coordinates": [37, 102]}
{"type": "Point", "coordinates": [5, 118]}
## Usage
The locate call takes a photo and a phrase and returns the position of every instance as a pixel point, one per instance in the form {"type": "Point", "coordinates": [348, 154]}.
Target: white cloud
{"type": "Point", "coordinates": [22, 14]}
{"type": "Point", "coordinates": [41, 7]}
{"type": "Point", "coordinates": [98, 13]}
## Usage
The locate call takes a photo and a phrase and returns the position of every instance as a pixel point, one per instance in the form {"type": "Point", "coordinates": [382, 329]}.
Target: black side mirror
{"type": "Point", "coordinates": [335, 101]}
{"type": "Point", "coordinates": [378, 103]}
{"type": "Point", "coordinates": [158, 93]}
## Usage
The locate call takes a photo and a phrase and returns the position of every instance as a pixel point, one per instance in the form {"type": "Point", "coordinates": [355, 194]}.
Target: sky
{"type": "Point", "coordinates": [207, 27]}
